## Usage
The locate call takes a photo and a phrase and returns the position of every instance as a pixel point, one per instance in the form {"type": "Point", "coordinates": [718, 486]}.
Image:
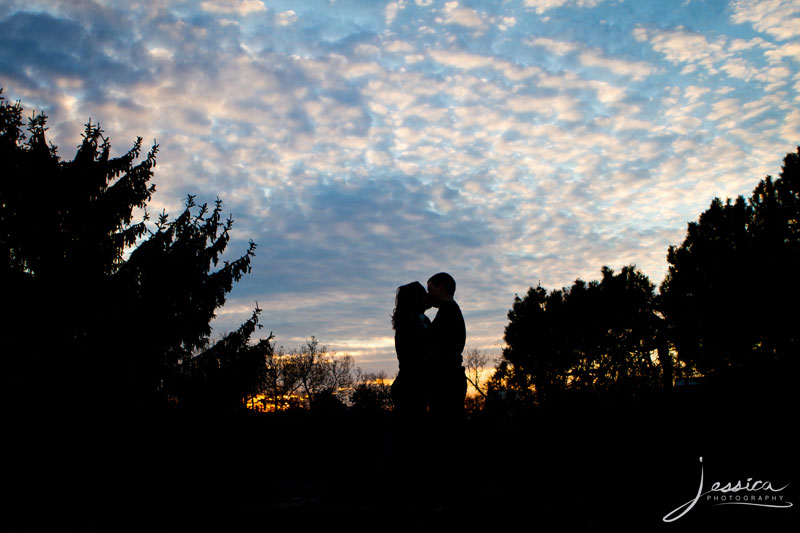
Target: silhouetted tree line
{"type": "Point", "coordinates": [100, 307]}
{"type": "Point", "coordinates": [727, 312]}
{"type": "Point", "coordinates": [599, 336]}
{"type": "Point", "coordinates": [314, 378]}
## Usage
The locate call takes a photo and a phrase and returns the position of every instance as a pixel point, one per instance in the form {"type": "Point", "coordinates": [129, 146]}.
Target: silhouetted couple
{"type": "Point", "coordinates": [431, 380]}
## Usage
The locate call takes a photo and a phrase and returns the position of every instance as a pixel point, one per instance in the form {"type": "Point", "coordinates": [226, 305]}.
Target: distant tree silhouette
{"type": "Point", "coordinates": [475, 362]}
{"type": "Point", "coordinates": [320, 375]}
{"type": "Point", "coordinates": [730, 297]}
{"type": "Point", "coordinates": [371, 392]}
{"type": "Point", "coordinates": [310, 378]}
{"type": "Point", "coordinates": [280, 383]}
{"type": "Point", "coordinates": [597, 337]}
{"type": "Point", "coordinates": [101, 307]}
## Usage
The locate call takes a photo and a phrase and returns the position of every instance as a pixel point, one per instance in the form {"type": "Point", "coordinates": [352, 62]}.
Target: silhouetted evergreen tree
{"type": "Point", "coordinates": [595, 337]}
{"type": "Point", "coordinates": [100, 309]}
{"type": "Point", "coordinates": [229, 372]}
{"type": "Point", "coordinates": [730, 297]}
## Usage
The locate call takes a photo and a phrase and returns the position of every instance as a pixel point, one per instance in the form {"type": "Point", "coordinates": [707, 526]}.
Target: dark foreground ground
{"type": "Point", "coordinates": [593, 467]}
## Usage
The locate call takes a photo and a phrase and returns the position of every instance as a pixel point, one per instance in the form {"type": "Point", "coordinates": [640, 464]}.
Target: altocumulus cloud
{"type": "Point", "coordinates": [364, 145]}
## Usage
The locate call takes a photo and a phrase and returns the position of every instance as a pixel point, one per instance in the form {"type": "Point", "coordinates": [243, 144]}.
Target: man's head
{"type": "Point", "coordinates": [441, 288]}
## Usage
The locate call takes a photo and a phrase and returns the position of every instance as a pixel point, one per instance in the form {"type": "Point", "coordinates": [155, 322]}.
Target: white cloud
{"type": "Point", "coordinates": [738, 68]}
{"type": "Point", "coordinates": [778, 18]}
{"type": "Point", "coordinates": [553, 46]}
{"type": "Point", "coordinates": [606, 92]}
{"type": "Point", "coordinates": [160, 53]}
{"type": "Point", "coordinates": [790, 129]}
{"type": "Point", "coordinates": [239, 7]}
{"type": "Point", "coordinates": [738, 45]}
{"type": "Point", "coordinates": [514, 72]}
{"type": "Point", "coordinates": [285, 18]}
{"type": "Point", "coordinates": [684, 46]}
{"type": "Point", "coordinates": [775, 77]}
{"type": "Point", "coordinates": [364, 49]}
{"type": "Point", "coordinates": [694, 92]}
{"type": "Point", "coordinates": [789, 50]}
{"type": "Point", "coordinates": [462, 60]}
{"type": "Point", "coordinates": [462, 16]}
{"type": "Point", "coordinates": [735, 58]}
{"type": "Point", "coordinates": [391, 12]}
{"type": "Point", "coordinates": [564, 107]}
{"type": "Point", "coordinates": [636, 70]}
{"type": "Point", "coordinates": [725, 108]}
{"type": "Point", "coordinates": [399, 47]}
{"type": "Point", "coordinates": [541, 6]}
{"type": "Point", "coordinates": [505, 23]}
{"type": "Point", "coordinates": [413, 58]}
{"type": "Point", "coordinates": [360, 69]}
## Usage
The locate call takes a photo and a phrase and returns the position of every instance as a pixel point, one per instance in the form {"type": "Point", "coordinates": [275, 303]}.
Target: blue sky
{"type": "Point", "coordinates": [366, 144]}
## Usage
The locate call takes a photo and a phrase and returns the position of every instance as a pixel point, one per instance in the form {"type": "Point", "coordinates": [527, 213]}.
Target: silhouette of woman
{"type": "Point", "coordinates": [409, 393]}
{"type": "Point", "coordinates": [410, 340]}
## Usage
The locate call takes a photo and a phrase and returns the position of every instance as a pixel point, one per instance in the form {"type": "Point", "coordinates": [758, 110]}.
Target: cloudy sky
{"type": "Point", "coordinates": [366, 144]}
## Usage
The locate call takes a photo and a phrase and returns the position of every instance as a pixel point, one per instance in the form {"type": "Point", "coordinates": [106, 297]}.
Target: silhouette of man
{"type": "Point", "coordinates": [447, 388]}
{"type": "Point", "coordinates": [448, 334]}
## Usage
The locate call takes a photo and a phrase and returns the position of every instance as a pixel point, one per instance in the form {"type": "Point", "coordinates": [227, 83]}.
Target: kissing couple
{"type": "Point", "coordinates": [431, 378]}
{"type": "Point", "coordinates": [431, 375]}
